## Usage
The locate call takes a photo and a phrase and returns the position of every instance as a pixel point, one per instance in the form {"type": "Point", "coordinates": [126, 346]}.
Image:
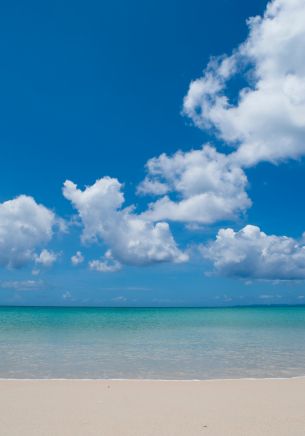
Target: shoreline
{"type": "Point", "coordinates": [94, 407]}
{"type": "Point", "coordinates": [294, 377]}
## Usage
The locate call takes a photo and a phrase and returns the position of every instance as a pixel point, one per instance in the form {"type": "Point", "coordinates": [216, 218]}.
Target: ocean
{"type": "Point", "coordinates": [152, 343]}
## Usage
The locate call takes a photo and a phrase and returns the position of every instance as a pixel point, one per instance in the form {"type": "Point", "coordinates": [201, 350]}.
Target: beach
{"type": "Point", "coordinates": [244, 407]}
{"type": "Point", "coordinates": [136, 372]}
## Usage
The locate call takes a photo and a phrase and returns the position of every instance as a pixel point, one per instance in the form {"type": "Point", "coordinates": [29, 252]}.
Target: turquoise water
{"type": "Point", "coordinates": [152, 343]}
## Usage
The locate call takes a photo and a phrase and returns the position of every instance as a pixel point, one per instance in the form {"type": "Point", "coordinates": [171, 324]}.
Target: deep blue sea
{"type": "Point", "coordinates": [152, 343]}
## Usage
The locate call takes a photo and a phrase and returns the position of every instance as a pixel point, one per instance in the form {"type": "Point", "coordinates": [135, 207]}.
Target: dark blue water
{"type": "Point", "coordinates": [152, 343]}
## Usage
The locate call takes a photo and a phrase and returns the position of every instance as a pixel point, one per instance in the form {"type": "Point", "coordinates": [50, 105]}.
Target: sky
{"type": "Point", "coordinates": [152, 153]}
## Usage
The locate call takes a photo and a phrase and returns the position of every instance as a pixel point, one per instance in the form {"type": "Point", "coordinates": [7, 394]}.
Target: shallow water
{"type": "Point", "coordinates": [152, 343]}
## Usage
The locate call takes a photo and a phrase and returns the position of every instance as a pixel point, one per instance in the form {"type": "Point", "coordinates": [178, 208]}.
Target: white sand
{"type": "Point", "coordinates": [152, 408]}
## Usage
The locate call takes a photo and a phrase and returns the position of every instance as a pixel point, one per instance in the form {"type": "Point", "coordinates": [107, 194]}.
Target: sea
{"type": "Point", "coordinates": [152, 343]}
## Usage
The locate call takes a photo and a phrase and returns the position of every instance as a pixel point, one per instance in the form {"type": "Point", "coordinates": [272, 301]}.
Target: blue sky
{"type": "Point", "coordinates": [97, 90]}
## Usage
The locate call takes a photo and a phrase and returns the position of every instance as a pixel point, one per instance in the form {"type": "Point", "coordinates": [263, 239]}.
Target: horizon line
{"type": "Point", "coordinates": [237, 306]}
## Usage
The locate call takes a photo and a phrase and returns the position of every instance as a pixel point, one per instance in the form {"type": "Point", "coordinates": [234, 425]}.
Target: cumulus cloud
{"type": "Point", "coordinates": [210, 187]}
{"type": "Point", "coordinates": [46, 257]}
{"type": "Point", "coordinates": [77, 258]}
{"type": "Point", "coordinates": [252, 254]}
{"type": "Point", "coordinates": [24, 226]}
{"type": "Point", "coordinates": [268, 121]}
{"type": "Point", "coordinates": [107, 264]}
{"type": "Point", "coordinates": [131, 239]}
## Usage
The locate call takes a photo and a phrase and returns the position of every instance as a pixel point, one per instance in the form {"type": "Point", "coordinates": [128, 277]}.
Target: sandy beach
{"type": "Point", "coordinates": [274, 407]}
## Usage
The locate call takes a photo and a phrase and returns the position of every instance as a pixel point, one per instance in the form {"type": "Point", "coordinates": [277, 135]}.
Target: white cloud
{"type": "Point", "coordinates": [102, 266]}
{"type": "Point", "coordinates": [269, 297]}
{"type": "Point", "coordinates": [107, 264]}
{"type": "Point", "coordinates": [209, 185]}
{"type": "Point", "coordinates": [24, 226]}
{"type": "Point", "coordinates": [77, 259]}
{"type": "Point", "coordinates": [268, 120]}
{"type": "Point", "coordinates": [251, 253]}
{"type": "Point", "coordinates": [152, 186]}
{"type": "Point", "coordinates": [46, 257]}
{"type": "Point", "coordinates": [131, 239]}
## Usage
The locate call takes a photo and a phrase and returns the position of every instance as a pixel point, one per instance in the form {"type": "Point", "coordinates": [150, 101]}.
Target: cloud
{"type": "Point", "coordinates": [24, 226]}
{"type": "Point", "coordinates": [120, 299]}
{"type": "Point", "coordinates": [269, 297]}
{"type": "Point", "coordinates": [131, 239]}
{"type": "Point", "coordinates": [252, 254]}
{"type": "Point", "coordinates": [77, 259]}
{"type": "Point", "coordinates": [107, 264]}
{"type": "Point", "coordinates": [67, 295]}
{"type": "Point", "coordinates": [267, 123]}
{"type": "Point", "coordinates": [150, 185]}
{"type": "Point", "coordinates": [46, 257]}
{"type": "Point", "coordinates": [22, 285]}
{"type": "Point", "coordinates": [209, 185]}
